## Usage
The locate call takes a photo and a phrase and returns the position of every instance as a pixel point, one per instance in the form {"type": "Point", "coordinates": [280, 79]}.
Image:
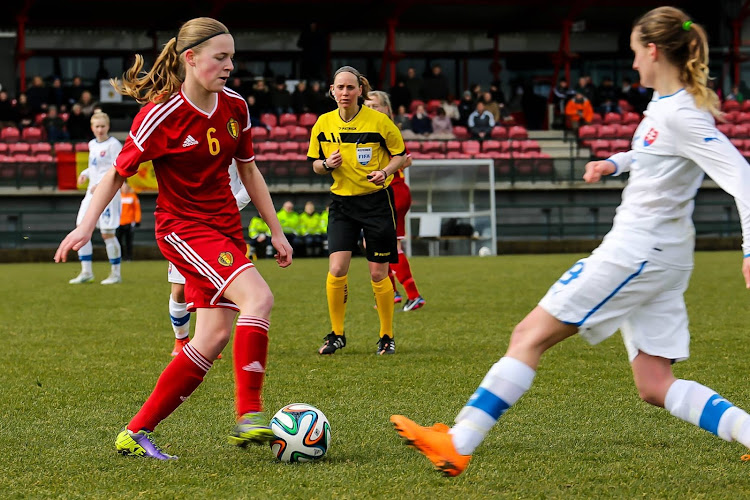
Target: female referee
{"type": "Point", "coordinates": [635, 280]}
{"type": "Point", "coordinates": [361, 148]}
{"type": "Point", "coordinates": [191, 127]}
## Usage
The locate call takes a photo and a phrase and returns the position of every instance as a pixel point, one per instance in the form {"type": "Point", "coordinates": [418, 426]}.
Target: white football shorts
{"type": "Point", "coordinates": [109, 220]}
{"type": "Point", "coordinates": [174, 276]}
{"type": "Point", "coordinates": [644, 300]}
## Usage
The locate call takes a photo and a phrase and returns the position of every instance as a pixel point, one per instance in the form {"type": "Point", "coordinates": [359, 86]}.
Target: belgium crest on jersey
{"type": "Point", "coordinates": [234, 128]}
{"type": "Point", "coordinates": [226, 259]}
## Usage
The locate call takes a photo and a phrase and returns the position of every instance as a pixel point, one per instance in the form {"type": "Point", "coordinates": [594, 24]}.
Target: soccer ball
{"type": "Point", "coordinates": [484, 252]}
{"type": "Point", "coordinates": [302, 433]}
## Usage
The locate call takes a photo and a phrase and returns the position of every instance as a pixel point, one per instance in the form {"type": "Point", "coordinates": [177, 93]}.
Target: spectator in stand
{"type": "Point", "coordinates": [587, 88]}
{"type": "Point", "coordinates": [238, 85]}
{"type": "Point", "coordinates": [451, 109]}
{"type": "Point", "coordinates": [421, 123]}
{"type": "Point", "coordinates": [130, 218]}
{"type": "Point", "coordinates": [310, 231]}
{"type": "Point", "coordinates": [317, 99]}
{"type": "Point", "coordinates": [735, 94]}
{"type": "Point", "coordinates": [442, 127]}
{"type": "Point", "coordinates": [289, 220]}
{"type": "Point", "coordinates": [465, 108]}
{"type": "Point", "coordinates": [260, 238]}
{"type": "Point", "coordinates": [436, 85]}
{"type": "Point", "coordinates": [38, 95]}
{"type": "Point", "coordinates": [299, 104]}
{"type": "Point", "coordinates": [24, 114]}
{"type": "Point", "coordinates": [476, 92]}
{"type": "Point", "coordinates": [8, 117]}
{"type": "Point", "coordinates": [563, 93]}
{"type": "Point", "coordinates": [641, 97]}
{"type": "Point", "coordinates": [74, 91]}
{"type": "Point", "coordinates": [711, 84]}
{"type": "Point", "coordinates": [57, 95]}
{"type": "Point", "coordinates": [414, 84]}
{"type": "Point", "coordinates": [314, 44]}
{"type": "Point", "coordinates": [402, 120]}
{"type": "Point", "coordinates": [480, 122]}
{"type": "Point", "coordinates": [87, 102]}
{"type": "Point", "coordinates": [400, 94]}
{"type": "Point", "coordinates": [579, 111]}
{"type": "Point", "coordinates": [254, 111]}
{"type": "Point", "coordinates": [54, 126]}
{"type": "Point", "coordinates": [281, 98]}
{"type": "Point", "coordinates": [608, 96]}
{"type": "Point", "coordinates": [491, 105]}
{"type": "Point", "coordinates": [262, 96]}
{"type": "Point", "coordinates": [496, 88]}
{"type": "Point", "coordinates": [78, 125]}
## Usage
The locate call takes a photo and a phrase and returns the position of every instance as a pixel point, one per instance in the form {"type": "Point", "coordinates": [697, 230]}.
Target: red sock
{"type": "Point", "coordinates": [403, 273]}
{"type": "Point", "coordinates": [392, 276]}
{"type": "Point", "coordinates": [250, 352]}
{"type": "Point", "coordinates": [178, 381]}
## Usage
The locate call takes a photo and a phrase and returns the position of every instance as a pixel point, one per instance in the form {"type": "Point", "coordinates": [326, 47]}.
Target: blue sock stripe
{"type": "Point", "coordinates": [712, 412]}
{"type": "Point", "coordinates": [180, 321]}
{"type": "Point", "coordinates": [88, 257]}
{"type": "Point", "coordinates": [488, 403]}
{"type": "Point", "coordinates": [115, 261]}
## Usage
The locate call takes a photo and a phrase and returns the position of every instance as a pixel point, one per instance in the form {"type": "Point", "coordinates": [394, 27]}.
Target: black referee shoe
{"type": "Point", "coordinates": [386, 345]}
{"type": "Point", "coordinates": [332, 343]}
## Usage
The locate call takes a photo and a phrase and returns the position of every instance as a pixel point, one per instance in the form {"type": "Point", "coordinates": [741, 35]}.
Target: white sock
{"type": "Point", "coordinates": [86, 255]}
{"type": "Point", "coordinates": [703, 407]}
{"type": "Point", "coordinates": [114, 253]}
{"type": "Point", "coordinates": [180, 318]}
{"type": "Point", "coordinates": [504, 384]}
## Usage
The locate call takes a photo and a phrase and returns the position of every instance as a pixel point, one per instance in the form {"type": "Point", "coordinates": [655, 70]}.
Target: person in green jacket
{"type": "Point", "coordinates": [289, 220]}
{"type": "Point", "coordinates": [260, 238]}
{"type": "Point", "coordinates": [310, 231]}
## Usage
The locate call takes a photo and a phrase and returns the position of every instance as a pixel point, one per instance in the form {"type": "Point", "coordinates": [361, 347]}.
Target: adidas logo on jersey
{"type": "Point", "coordinates": [255, 366]}
{"type": "Point", "coordinates": [189, 141]}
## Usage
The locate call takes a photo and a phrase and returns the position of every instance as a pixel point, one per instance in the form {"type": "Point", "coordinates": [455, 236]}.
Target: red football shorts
{"type": "Point", "coordinates": [402, 200]}
{"type": "Point", "coordinates": [208, 260]}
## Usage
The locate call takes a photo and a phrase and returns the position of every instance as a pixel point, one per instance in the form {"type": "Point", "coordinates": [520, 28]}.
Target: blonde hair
{"type": "Point", "coordinates": [684, 44]}
{"type": "Point", "coordinates": [385, 100]}
{"type": "Point", "coordinates": [361, 80]}
{"type": "Point", "coordinates": [168, 72]}
{"type": "Point", "coordinates": [99, 115]}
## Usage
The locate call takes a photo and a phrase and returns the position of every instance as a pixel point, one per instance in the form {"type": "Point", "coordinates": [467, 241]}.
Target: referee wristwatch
{"type": "Point", "coordinates": [325, 166]}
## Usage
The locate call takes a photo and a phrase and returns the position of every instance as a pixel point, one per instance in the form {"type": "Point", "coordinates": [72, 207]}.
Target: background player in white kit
{"type": "Point", "coordinates": [103, 150]}
{"type": "Point", "coordinates": [178, 313]}
{"type": "Point", "coordinates": [635, 280]}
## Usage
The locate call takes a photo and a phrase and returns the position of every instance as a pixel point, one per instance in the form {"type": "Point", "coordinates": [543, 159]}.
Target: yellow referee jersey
{"type": "Point", "coordinates": [367, 143]}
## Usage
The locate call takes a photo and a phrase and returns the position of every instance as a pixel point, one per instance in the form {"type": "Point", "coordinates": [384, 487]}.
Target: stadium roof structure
{"type": "Point", "coordinates": [336, 15]}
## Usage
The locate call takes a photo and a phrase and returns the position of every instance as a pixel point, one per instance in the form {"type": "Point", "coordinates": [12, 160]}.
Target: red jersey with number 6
{"type": "Point", "coordinates": [191, 150]}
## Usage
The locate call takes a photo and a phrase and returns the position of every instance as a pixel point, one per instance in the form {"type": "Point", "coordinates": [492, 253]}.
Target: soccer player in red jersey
{"type": "Point", "coordinates": [191, 127]}
{"type": "Point", "coordinates": [380, 101]}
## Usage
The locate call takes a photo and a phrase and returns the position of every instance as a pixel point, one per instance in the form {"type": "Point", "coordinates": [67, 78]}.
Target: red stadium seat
{"type": "Point", "coordinates": [631, 117]}
{"type": "Point", "coordinates": [10, 134]}
{"type": "Point", "coordinates": [741, 131]}
{"type": "Point", "coordinates": [279, 134]}
{"type": "Point", "coordinates": [587, 133]}
{"type": "Point", "coordinates": [298, 133]}
{"type": "Point", "coordinates": [530, 146]}
{"type": "Point", "coordinates": [32, 134]}
{"type": "Point", "coordinates": [731, 106]}
{"type": "Point", "coordinates": [518, 132]}
{"type": "Point", "coordinates": [461, 132]}
{"type": "Point", "coordinates": [608, 132]}
{"type": "Point", "coordinates": [745, 105]}
{"type": "Point", "coordinates": [433, 105]}
{"type": "Point", "coordinates": [307, 120]}
{"type": "Point", "coordinates": [619, 145]}
{"type": "Point", "coordinates": [259, 133]}
{"type": "Point", "coordinates": [3, 148]}
{"type": "Point", "coordinates": [19, 148]}
{"type": "Point", "coordinates": [612, 118]}
{"type": "Point", "coordinates": [288, 147]}
{"type": "Point", "coordinates": [471, 147]}
{"type": "Point", "coordinates": [457, 155]}
{"type": "Point", "coordinates": [433, 147]}
{"type": "Point", "coordinates": [596, 119]}
{"type": "Point", "coordinates": [287, 119]}
{"type": "Point", "coordinates": [491, 145]}
{"type": "Point", "coordinates": [742, 117]}
{"type": "Point", "coordinates": [40, 148]}
{"type": "Point", "coordinates": [452, 146]}
{"type": "Point", "coordinates": [63, 147]}
{"type": "Point", "coordinates": [726, 129]}
{"type": "Point", "coordinates": [414, 104]}
{"type": "Point", "coordinates": [269, 119]}
{"type": "Point", "coordinates": [499, 132]}
{"type": "Point", "coordinates": [413, 146]}
{"type": "Point", "coordinates": [82, 147]}
{"type": "Point", "coordinates": [730, 117]}
{"type": "Point", "coordinates": [625, 106]}
{"type": "Point", "coordinates": [626, 130]}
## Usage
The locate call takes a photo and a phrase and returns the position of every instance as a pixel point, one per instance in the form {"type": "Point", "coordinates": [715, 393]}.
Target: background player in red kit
{"type": "Point", "coordinates": [191, 127]}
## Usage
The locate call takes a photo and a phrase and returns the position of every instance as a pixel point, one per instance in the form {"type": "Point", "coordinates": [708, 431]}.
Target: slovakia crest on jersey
{"type": "Point", "coordinates": [102, 153]}
{"type": "Point", "coordinates": [233, 128]}
{"type": "Point", "coordinates": [650, 137]}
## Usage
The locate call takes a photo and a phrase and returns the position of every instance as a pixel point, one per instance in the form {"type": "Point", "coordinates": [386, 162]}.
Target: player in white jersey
{"type": "Point", "coordinates": [103, 150]}
{"type": "Point", "coordinates": [636, 279]}
{"type": "Point", "coordinates": [178, 313]}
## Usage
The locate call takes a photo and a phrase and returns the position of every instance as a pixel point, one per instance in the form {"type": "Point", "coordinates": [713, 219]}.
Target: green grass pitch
{"type": "Point", "coordinates": [78, 361]}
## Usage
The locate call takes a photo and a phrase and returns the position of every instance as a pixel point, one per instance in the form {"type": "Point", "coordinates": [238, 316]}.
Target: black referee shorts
{"type": "Point", "coordinates": [373, 214]}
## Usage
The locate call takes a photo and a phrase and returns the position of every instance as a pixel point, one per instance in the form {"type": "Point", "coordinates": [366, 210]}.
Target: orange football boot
{"type": "Point", "coordinates": [433, 442]}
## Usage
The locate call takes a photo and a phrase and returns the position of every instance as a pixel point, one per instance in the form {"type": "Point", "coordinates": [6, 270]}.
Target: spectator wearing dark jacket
{"type": "Point", "coordinates": [480, 122]}
{"type": "Point", "coordinates": [436, 85]}
{"type": "Point", "coordinates": [8, 117]}
{"type": "Point", "coordinates": [400, 95]}
{"type": "Point", "coordinates": [465, 108]}
{"type": "Point", "coordinates": [78, 125]}
{"type": "Point", "coordinates": [54, 125]}
{"type": "Point", "coordinates": [281, 98]}
{"type": "Point", "coordinates": [421, 123]}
